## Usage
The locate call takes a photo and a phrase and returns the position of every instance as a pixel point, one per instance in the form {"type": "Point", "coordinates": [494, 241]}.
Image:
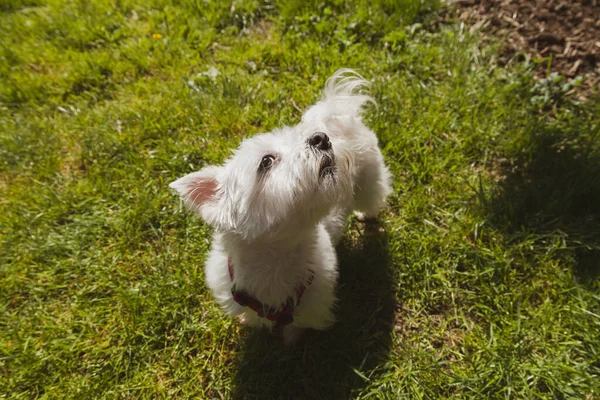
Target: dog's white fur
{"type": "Point", "coordinates": [278, 225]}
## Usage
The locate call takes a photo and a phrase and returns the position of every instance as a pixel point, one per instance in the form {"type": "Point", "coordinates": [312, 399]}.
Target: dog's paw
{"type": "Point", "coordinates": [362, 217]}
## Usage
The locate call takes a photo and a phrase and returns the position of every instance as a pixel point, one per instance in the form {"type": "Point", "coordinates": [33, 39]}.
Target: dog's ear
{"type": "Point", "coordinates": [200, 192]}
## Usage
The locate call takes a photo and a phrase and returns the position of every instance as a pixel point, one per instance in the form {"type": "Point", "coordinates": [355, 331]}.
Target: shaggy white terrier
{"type": "Point", "coordinates": [279, 206]}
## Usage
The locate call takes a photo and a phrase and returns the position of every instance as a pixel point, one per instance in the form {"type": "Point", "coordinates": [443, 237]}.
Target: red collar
{"type": "Point", "coordinates": [282, 315]}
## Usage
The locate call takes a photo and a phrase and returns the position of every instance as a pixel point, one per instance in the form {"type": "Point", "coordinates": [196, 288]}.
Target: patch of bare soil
{"type": "Point", "coordinates": [564, 33]}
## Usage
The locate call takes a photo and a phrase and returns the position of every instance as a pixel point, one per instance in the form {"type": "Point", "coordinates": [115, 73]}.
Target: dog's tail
{"type": "Point", "coordinates": [343, 97]}
{"type": "Point", "coordinates": [343, 91]}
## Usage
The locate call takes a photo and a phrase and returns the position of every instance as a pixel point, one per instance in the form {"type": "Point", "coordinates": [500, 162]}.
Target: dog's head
{"type": "Point", "coordinates": [281, 182]}
{"type": "Point", "coordinates": [273, 182]}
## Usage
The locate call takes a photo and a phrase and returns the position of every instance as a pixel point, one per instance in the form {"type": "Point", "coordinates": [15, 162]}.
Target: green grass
{"type": "Point", "coordinates": [482, 279]}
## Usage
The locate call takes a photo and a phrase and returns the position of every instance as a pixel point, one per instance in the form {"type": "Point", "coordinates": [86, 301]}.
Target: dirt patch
{"type": "Point", "coordinates": [565, 34]}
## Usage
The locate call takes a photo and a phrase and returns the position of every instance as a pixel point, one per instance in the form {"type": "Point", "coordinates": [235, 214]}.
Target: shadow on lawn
{"type": "Point", "coordinates": [552, 184]}
{"type": "Point", "coordinates": [330, 364]}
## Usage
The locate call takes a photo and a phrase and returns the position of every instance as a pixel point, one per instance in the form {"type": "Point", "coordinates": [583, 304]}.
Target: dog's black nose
{"type": "Point", "coordinates": [319, 140]}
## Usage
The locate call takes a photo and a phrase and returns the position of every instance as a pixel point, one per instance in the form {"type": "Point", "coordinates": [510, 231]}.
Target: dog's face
{"type": "Point", "coordinates": [274, 184]}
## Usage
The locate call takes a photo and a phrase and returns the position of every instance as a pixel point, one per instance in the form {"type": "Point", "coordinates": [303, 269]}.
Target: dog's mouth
{"type": "Point", "coordinates": [327, 167]}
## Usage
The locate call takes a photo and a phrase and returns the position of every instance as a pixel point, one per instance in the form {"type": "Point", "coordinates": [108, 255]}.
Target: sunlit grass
{"type": "Point", "coordinates": [481, 279]}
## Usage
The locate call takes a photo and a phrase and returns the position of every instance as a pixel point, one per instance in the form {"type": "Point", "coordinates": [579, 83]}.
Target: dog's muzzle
{"type": "Point", "coordinates": [327, 166]}
{"type": "Point", "coordinates": [319, 142]}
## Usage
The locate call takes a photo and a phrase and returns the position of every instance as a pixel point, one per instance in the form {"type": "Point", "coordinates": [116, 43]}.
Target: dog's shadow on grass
{"type": "Point", "coordinates": [550, 183]}
{"type": "Point", "coordinates": [330, 364]}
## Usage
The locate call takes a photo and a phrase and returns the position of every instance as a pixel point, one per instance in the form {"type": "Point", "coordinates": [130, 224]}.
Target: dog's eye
{"type": "Point", "coordinates": [267, 162]}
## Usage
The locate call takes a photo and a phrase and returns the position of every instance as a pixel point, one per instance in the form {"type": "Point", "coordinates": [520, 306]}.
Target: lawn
{"type": "Point", "coordinates": [480, 280]}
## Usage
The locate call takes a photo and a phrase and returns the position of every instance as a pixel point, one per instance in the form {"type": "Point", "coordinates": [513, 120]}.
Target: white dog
{"type": "Point", "coordinates": [279, 206]}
